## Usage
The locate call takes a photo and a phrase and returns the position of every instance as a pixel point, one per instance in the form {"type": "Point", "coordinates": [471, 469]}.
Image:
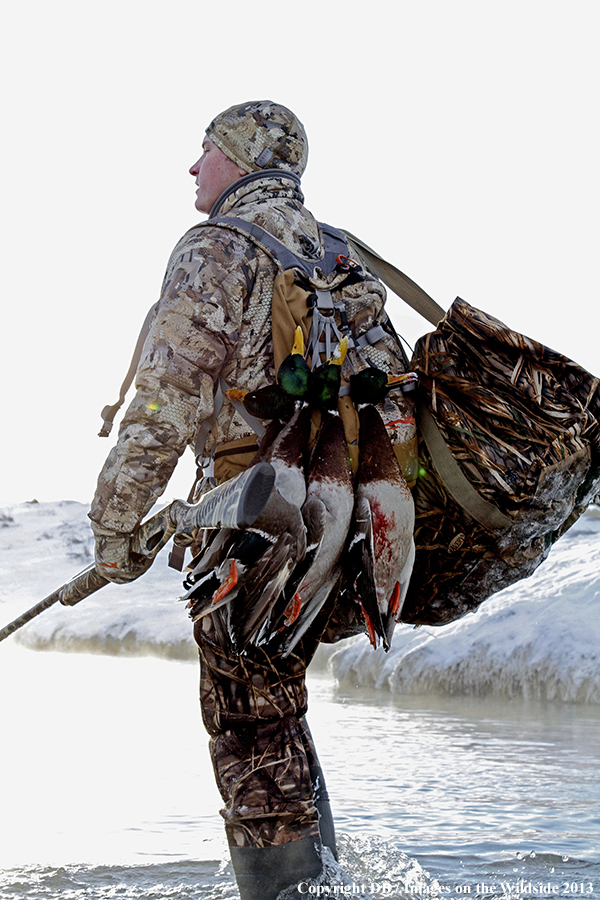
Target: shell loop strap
{"type": "Point", "coordinates": [322, 325]}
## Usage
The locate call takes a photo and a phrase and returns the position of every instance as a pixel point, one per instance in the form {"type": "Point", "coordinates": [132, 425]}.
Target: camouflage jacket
{"type": "Point", "coordinates": [213, 318]}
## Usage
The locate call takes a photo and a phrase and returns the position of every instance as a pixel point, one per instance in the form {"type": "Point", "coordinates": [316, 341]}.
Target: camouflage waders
{"type": "Point", "coordinates": [265, 762]}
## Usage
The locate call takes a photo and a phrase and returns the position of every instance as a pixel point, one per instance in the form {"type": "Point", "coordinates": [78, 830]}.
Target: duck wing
{"type": "Point", "coordinates": [287, 608]}
{"type": "Point", "coordinates": [219, 573]}
{"type": "Point", "coordinates": [282, 526]}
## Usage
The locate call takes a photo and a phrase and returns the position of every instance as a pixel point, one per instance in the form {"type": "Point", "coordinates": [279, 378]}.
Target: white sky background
{"type": "Point", "coordinates": [458, 138]}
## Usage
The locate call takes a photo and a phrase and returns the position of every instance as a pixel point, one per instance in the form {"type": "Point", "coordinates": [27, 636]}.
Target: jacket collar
{"type": "Point", "coordinates": [264, 185]}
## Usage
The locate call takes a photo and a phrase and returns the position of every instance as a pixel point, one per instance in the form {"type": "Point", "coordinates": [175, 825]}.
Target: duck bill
{"type": "Point", "coordinates": [340, 353]}
{"type": "Point", "coordinates": [395, 379]}
{"type": "Point", "coordinates": [298, 347]}
{"type": "Point", "coordinates": [236, 394]}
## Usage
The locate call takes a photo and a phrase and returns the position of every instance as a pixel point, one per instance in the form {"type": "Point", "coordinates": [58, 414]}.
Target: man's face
{"type": "Point", "coordinates": [214, 172]}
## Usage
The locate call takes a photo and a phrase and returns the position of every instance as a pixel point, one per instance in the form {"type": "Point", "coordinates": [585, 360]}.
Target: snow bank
{"type": "Point", "coordinates": [539, 639]}
{"type": "Point", "coordinates": [43, 545]}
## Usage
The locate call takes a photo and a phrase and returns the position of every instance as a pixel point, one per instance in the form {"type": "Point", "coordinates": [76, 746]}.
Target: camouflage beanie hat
{"type": "Point", "coordinates": [261, 135]}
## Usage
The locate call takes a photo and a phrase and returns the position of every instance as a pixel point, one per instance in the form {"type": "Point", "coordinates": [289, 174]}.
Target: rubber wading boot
{"type": "Point", "coordinates": [321, 801]}
{"type": "Point", "coordinates": [262, 872]}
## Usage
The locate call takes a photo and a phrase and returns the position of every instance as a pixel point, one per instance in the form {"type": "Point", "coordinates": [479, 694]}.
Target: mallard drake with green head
{"type": "Point", "coordinates": [372, 385]}
{"type": "Point", "coordinates": [325, 380]}
{"type": "Point", "coordinates": [293, 374]}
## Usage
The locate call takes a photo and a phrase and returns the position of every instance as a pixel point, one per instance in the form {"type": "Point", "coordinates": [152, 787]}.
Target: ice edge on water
{"type": "Point", "coordinates": [537, 640]}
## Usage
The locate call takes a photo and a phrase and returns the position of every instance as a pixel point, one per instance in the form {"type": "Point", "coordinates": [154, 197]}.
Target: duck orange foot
{"type": "Point", "coordinates": [370, 627]}
{"type": "Point", "coordinates": [292, 610]}
{"type": "Point", "coordinates": [229, 583]}
{"type": "Point", "coordinates": [394, 604]}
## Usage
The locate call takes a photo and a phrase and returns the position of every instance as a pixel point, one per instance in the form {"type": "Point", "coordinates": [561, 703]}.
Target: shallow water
{"type": "Point", "coordinates": [108, 790]}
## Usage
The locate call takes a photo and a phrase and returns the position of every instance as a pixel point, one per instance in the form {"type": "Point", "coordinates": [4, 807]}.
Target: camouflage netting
{"type": "Point", "coordinates": [522, 421]}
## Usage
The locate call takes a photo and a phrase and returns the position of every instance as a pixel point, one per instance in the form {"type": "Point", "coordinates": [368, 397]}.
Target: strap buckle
{"type": "Point", "coordinates": [345, 264]}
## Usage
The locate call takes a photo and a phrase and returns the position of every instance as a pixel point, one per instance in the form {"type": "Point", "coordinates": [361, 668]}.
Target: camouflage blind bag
{"type": "Point", "coordinates": [509, 458]}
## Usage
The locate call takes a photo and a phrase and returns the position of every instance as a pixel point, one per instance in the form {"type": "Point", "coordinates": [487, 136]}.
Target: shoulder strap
{"type": "Point", "coordinates": [396, 280]}
{"type": "Point", "coordinates": [109, 412]}
{"type": "Point", "coordinates": [334, 244]}
{"type": "Point", "coordinates": [487, 514]}
{"type": "Point", "coordinates": [337, 241]}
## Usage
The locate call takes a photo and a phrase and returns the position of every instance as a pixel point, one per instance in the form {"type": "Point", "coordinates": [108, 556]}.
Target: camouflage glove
{"type": "Point", "coordinates": [113, 556]}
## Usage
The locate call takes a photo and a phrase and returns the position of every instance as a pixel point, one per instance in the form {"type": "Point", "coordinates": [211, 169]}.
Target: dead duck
{"type": "Point", "coordinates": [381, 548]}
{"type": "Point", "coordinates": [295, 382]}
{"type": "Point", "coordinates": [328, 513]}
{"type": "Point", "coordinates": [247, 570]}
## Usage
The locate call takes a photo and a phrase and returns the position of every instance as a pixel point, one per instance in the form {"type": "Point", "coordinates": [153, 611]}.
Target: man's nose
{"type": "Point", "coordinates": [195, 168]}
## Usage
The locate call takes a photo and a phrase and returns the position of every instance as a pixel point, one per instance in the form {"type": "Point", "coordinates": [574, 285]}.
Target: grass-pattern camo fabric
{"type": "Point", "coordinates": [522, 422]}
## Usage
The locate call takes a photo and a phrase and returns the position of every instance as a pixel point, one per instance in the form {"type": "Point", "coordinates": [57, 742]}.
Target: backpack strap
{"type": "Point", "coordinates": [334, 245]}
{"type": "Point", "coordinates": [407, 289]}
{"type": "Point", "coordinates": [255, 424]}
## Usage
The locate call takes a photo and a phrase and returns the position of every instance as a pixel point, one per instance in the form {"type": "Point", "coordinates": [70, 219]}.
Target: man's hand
{"type": "Point", "coordinates": [114, 559]}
